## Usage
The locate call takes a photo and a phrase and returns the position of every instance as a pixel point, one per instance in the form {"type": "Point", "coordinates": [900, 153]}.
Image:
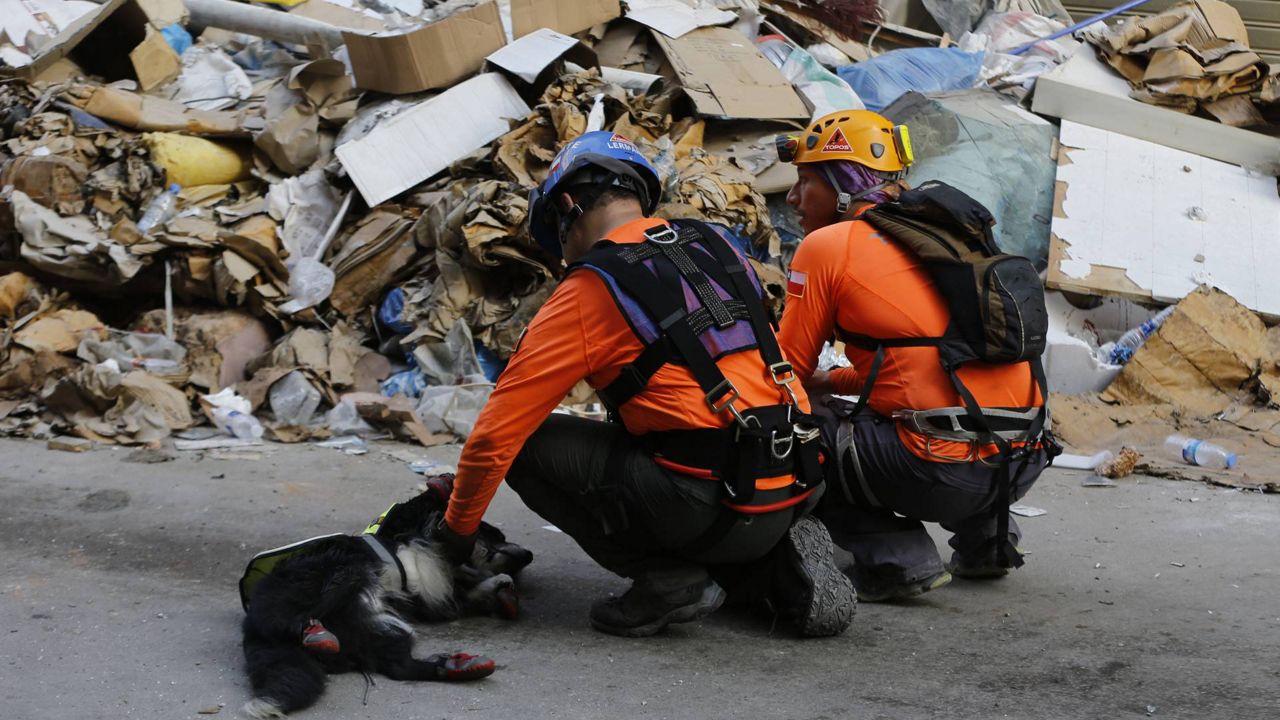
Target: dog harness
{"type": "Point", "coordinates": [262, 564]}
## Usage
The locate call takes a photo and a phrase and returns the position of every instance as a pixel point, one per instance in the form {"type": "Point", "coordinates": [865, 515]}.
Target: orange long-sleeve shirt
{"type": "Point", "coordinates": [848, 275]}
{"type": "Point", "coordinates": [580, 333]}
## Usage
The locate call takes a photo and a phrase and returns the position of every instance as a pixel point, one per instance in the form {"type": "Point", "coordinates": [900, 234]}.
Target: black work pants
{"type": "Point", "coordinates": [880, 520]}
{"type": "Point", "coordinates": [563, 474]}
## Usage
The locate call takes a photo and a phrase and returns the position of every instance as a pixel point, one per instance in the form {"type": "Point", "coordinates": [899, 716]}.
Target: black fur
{"type": "Point", "coordinates": [341, 582]}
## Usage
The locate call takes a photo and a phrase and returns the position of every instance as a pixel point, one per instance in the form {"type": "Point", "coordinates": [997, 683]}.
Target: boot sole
{"type": "Point", "coordinates": [710, 601]}
{"type": "Point", "coordinates": [832, 600]}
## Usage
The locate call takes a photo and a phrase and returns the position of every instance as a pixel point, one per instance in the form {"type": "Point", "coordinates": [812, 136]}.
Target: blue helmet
{"type": "Point", "coordinates": [610, 160]}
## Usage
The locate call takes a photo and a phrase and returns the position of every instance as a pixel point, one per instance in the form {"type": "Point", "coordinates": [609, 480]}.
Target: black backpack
{"type": "Point", "coordinates": [997, 308]}
{"type": "Point", "coordinates": [997, 301]}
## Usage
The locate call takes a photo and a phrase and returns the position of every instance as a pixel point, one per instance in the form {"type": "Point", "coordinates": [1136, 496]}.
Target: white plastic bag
{"type": "Point", "coordinates": [823, 89]}
{"type": "Point", "coordinates": [210, 80]}
{"type": "Point", "coordinates": [293, 400]}
{"type": "Point", "coordinates": [453, 409]}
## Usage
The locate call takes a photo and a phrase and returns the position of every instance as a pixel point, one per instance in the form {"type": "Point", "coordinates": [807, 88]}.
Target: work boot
{"type": "Point", "coordinates": [819, 599]}
{"type": "Point", "coordinates": [874, 590]}
{"type": "Point", "coordinates": [984, 568]}
{"type": "Point", "coordinates": [643, 611]}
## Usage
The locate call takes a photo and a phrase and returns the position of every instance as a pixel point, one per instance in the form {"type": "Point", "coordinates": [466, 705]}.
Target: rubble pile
{"type": "Point", "coordinates": [303, 219]}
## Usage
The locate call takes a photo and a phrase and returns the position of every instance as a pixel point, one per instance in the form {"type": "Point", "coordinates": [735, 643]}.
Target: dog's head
{"type": "Point", "coordinates": [493, 555]}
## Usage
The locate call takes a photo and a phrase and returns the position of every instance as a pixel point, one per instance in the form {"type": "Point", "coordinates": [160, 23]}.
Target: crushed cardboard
{"type": "Point", "coordinates": [1209, 354]}
{"type": "Point", "coordinates": [726, 76]}
{"type": "Point", "coordinates": [1195, 52]}
{"type": "Point", "coordinates": [426, 139]}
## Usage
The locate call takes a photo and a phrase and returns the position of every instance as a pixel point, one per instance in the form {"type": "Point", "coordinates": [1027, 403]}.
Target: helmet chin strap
{"type": "Point", "coordinates": [845, 200]}
{"type": "Point", "coordinates": [568, 218]}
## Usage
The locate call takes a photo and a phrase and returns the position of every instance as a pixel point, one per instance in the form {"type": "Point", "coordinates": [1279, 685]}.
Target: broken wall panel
{"type": "Point", "coordinates": [1144, 221]}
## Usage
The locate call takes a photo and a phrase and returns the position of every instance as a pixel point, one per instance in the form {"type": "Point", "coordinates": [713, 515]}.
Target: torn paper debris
{"type": "Point", "coordinates": [676, 19]}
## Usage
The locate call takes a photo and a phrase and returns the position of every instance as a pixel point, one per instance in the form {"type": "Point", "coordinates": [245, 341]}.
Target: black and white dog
{"type": "Point", "coordinates": [341, 603]}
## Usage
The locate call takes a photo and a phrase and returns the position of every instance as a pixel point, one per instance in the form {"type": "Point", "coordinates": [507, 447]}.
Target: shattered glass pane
{"type": "Point", "coordinates": [984, 144]}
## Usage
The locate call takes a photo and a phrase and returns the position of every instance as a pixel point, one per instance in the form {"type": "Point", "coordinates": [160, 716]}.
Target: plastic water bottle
{"type": "Point", "coordinates": [1199, 452]}
{"type": "Point", "coordinates": [162, 208]}
{"type": "Point", "coordinates": [237, 424]}
{"type": "Point", "coordinates": [1129, 343]}
{"type": "Point", "coordinates": [155, 365]}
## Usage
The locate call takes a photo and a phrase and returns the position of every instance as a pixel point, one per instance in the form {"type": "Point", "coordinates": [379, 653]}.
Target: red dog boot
{"type": "Point", "coordinates": [441, 485]}
{"type": "Point", "coordinates": [508, 603]}
{"type": "Point", "coordinates": [461, 666]}
{"type": "Point", "coordinates": [317, 638]}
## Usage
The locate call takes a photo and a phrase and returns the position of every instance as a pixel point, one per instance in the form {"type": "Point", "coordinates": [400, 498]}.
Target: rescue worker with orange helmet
{"type": "Point", "coordinates": [713, 459]}
{"type": "Point", "coordinates": [850, 281]}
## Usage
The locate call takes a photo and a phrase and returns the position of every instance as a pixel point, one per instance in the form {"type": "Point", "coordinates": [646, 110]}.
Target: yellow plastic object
{"type": "Point", "coordinates": [902, 139]}
{"type": "Point", "coordinates": [190, 160]}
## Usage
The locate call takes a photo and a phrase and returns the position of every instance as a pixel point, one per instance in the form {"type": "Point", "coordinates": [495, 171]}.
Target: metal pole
{"type": "Point", "coordinates": [1067, 31]}
{"type": "Point", "coordinates": [270, 24]}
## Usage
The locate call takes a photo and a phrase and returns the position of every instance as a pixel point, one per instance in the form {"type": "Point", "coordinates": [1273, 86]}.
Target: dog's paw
{"type": "Point", "coordinates": [262, 708]}
{"type": "Point", "coordinates": [507, 602]}
{"type": "Point", "coordinates": [460, 667]}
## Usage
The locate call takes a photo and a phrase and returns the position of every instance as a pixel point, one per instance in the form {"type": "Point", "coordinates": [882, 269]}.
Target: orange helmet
{"type": "Point", "coordinates": [859, 136]}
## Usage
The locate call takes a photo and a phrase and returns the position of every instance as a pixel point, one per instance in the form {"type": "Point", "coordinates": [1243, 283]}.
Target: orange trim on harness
{"type": "Point", "coordinates": [772, 483]}
{"type": "Point", "coordinates": [701, 473]}
{"type": "Point", "coordinates": [772, 507]}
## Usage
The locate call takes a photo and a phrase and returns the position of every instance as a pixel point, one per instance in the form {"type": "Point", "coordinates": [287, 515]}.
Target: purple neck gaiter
{"type": "Point", "coordinates": [854, 178]}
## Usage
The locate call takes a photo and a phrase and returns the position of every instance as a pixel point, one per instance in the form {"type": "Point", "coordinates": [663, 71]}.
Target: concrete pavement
{"type": "Point", "coordinates": [118, 600]}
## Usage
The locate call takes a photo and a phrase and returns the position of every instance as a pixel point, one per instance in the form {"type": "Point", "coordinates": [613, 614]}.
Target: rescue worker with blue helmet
{"type": "Point", "coordinates": [712, 460]}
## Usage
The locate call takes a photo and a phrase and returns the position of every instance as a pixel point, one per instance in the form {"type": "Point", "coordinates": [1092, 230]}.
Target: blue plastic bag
{"type": "Point", "coordinates": [491, 364]}
{"type": "Point", "coordinates": [881, 80]}
{"type": "Point", "coordinates": [177, 37]}
{"type": "Point", "coordinates": [409, 383]}
{"type": "Point", "coordinates": [390, 311]}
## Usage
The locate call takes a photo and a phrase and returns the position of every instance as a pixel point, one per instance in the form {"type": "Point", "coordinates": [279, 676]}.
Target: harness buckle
{"type": "Point", "coordinates": [724, 390]}
{"type": "Point", "coordinates": [782, 368]}
{"type": "Point", "coordinates": [806, 436]}
{"type": "Point", "coordinates": [665, 235]}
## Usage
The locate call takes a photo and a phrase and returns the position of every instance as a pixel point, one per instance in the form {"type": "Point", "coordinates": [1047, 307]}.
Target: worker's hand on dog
{"type": "Point", "coordinates": [457, 548]}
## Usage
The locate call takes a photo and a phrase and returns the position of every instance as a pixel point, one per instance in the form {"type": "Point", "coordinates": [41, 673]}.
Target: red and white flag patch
{"type": "Point", "coordinates": [837, 143]}
{"type": "Point", "coordinates": [795, 283]}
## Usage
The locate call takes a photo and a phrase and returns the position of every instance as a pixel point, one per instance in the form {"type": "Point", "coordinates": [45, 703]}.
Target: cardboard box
{"type": "Point", "coordinates": [420, 142]}
{"type": "Point", "coordinates": [726, 76]}
{"type": "Point", "coordinates": [564, 16]}
{"type": "Point", "coordinates": [66, 41]}
{"type": "Point", "coordinates": [433, 56]}
{"type": "Point", "coordinates": [1087, 91]}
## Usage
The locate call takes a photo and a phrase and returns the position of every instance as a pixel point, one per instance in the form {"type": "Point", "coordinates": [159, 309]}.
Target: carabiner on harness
{"type": "Point", "coordinates": [775, 442]}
